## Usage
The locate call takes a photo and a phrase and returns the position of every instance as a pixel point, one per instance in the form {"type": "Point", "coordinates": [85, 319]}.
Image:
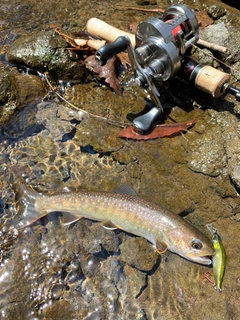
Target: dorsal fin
{"type": "Point", "coordinates": [67, 189]}
{"type": "Point", "coordinates": [125, 189]}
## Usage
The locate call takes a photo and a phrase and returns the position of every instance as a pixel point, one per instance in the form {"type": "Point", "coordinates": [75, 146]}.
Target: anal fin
{"type": "Point", "coordinates": [109, 225]}
{"type": "Point", "coordinates": [68, 218]}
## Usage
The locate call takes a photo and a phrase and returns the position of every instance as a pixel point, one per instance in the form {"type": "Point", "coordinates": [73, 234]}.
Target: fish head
{"type": "Point", "coordinates": [191, 244]}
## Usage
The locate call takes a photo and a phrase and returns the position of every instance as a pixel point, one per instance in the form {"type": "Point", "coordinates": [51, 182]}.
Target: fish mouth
{"type": "Point", "coordinates": [203, 260]}
{"type": "Point", "coordinates": [203, 257]}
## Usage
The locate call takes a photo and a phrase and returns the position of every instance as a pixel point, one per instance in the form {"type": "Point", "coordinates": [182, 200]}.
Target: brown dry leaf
{"type": "Point", "coordinates": [81, 44]}
{"type": "Point", "coordinates": [123, 57]}
{"type": "Point", "coordinates": [133, 27]}
{"type": "Point", "coordinates": [108, 72]}
{"type": "Point", "coordinates": [160, 131]}
{"type": "Point", "coordinates": [54, 25]}
{"type": "Point", "coordinates": [203, 19]}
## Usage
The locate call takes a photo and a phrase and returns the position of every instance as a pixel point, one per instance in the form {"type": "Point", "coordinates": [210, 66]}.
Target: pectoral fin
{"type": "Point", "coordinates": [109, 225]}
{"type": "Point", "coordinates": [161, 246]}
{"type": "Point", "coordinates": [68, 218]}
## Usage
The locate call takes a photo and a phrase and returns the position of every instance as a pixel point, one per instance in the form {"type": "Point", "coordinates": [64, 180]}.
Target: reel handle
{"type": "Point", "coordinates": [147, 121]}
{"type": "Point", "coordinates": [108, 51]}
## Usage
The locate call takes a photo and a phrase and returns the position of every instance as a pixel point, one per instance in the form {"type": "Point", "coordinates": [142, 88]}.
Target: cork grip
{"type": "Point", "coordinates": [107, 32]}
{"type": "Point", "coordinates": [211, 81]}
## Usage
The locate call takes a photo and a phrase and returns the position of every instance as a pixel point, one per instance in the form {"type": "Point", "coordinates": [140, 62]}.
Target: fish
{"type": "Point", "coordinates": [218, 259]}
{"type": "Point", "coordinates": [122, 209]}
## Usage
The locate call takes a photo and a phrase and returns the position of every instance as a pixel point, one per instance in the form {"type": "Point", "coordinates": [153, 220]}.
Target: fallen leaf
{"type": "Point", "coordinates": [108, 72]}
{"type": "Point", "coordinates": [133, 27]}
{"type": "Point", "coordinates": [82, 44]}
{"type": "Point", "coordinates": [203, 19]}
{"type": "Point", "coordinates": [160, 131]}
{"type": "Point", "coordinates": [54, 25]}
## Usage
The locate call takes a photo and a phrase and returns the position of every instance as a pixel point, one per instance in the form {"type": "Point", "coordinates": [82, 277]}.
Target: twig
{"type": "Point", "coordinates": [212, 46]}
{"type": "Point", "coordinates": [140, 9]}
{"type": "Point", "coordinates": [220, 61]}
{"type": "Point", "coordinates": [88, 114]}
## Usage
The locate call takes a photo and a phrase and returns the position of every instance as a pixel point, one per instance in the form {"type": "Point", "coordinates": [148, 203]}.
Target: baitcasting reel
{"type": "Point", "coordinates": [160, 46]}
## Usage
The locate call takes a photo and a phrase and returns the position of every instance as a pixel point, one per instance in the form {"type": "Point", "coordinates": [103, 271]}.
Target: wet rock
{"type": "Point", "coordinates": [200, 126]}
{"type": "Point", "coordinates": [46, 51]}
{"type": "Point", "coordinates": [236, 213]}
{"type": "Point", "coordinates": [136, 281]}
{"type": "Point", "coordinates": [58, 128]}
{"type": "Point", "coordinates": [29, 88]}
{"type": "Point", "coordinates": [8, 96]}
{"type": "Point", "coordinates": [16, 91]}
{"type": "Point", "coordinates": [207, 153]}
{"type": "Point", "coordinates": [215, 33]}
{"type": "Point", "coordinates": [24, 124]}
{"type": "Point", "coordinates": [216, 11]}
{"type": "Point", "coordinates": [235, 176]}
{"type": "Point", "coordinates": [236, 74]}
{"type": "Point", "coordinates": [108, 114]}
{"type": "Point", "coordinates": [233, 43]}
{"type": "Point", "coordinates": [122, 156]}
{"type": "Point", "coordinates": [59, 310]}
{"type": "Point", "coordinates": [100, 239]}
{"type": "Point", "coordinates": [138, 253]}
{"type": "Point", "coordinates": [7, 88]}
{"type": "Point", "coordinates": [231, 138]}
{"type": "Point", "coordinates": [146, 2]}
{"type": "Point", "coordinates": [98, 134]}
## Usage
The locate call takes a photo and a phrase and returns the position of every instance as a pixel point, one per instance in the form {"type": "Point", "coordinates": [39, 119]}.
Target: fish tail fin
{"type": "Point", "coordinates": [25, 199]}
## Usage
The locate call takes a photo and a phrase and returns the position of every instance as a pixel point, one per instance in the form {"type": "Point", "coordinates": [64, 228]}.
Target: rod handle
{"type": "Point", "coordinates": [210, 80]}
{"type": "Point", "coordinates": [106, 31]}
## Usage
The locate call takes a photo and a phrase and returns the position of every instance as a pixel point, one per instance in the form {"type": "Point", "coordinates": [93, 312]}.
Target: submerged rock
{"type": "Point", "coordinates": [16, 91]}
{"type": "Point", "coordinates": [138, 253]}
{"type": "Point", "coordinates": [207, 153]}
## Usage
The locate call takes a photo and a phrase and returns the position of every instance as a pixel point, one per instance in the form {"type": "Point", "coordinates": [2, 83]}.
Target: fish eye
{"type": "Point", "coordinates": [196, 244]}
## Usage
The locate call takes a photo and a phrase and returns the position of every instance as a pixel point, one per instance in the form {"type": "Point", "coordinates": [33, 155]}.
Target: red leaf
{"type": "Point", "coordinates": [203, 19]}
{"type": "Point", "coordinates": [108, 72]}
{"type": "Point", "coordinates": [160, 131]}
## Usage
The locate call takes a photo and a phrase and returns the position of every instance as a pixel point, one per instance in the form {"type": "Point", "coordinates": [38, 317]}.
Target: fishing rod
{"type": "Point", "coordinates": [157, 53]}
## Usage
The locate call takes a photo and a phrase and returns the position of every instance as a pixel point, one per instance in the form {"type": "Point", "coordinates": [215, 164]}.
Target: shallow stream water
{"type": "Point", "coordinates": [82, 271]}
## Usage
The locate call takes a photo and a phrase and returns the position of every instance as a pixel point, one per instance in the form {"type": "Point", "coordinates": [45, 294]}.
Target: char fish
{"type": "Point", "coordinates": [129, 212]}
